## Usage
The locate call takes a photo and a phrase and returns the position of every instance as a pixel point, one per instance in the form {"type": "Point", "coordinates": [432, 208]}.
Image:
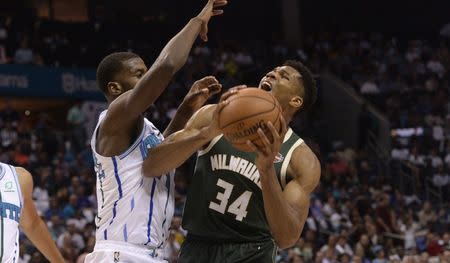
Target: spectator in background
{"type": "Point", "coordinates": [385, 216]}
{"type": "Point", "coordinates": [416, 158]}
{"type": "Point", "coordinates": [440, 178]}
{"type": "Point", "coordinates": [427, 214]}
{"type": "Point", "coordinates": [410, 232]}
{"type": "Point", "coordinates": [24, 54]}
{"type": "Point", "coordinates": [3, 39]}
{"type": "Point", "coordinates": [75, 120]}
{"type": "Point", "coordinates": [8, 135]}
{"type": "Point", "coordinates": [436, 160]}
{"type": "Point", "coordinates": [342, 247]}
{"type": "Point", "coordinates": [362, 248]}
{"type": "Point", "coordinates": [370, 87]}
{"type": "Point", "coordinates": [380, 255]}
{"type": "Point", "coordinates": [447, 158]}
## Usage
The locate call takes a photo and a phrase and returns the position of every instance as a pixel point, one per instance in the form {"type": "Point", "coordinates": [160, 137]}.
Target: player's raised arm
{"type": "Point", "coordinates": [197, 96]}
{"type": "Point", "coordinates": [125, 110]}
{"type": "Point", "coordinates": [33, 226]}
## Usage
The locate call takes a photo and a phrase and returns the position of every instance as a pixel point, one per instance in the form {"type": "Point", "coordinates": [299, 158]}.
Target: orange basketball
{"type": "Point", "coordinates": [248, 110]}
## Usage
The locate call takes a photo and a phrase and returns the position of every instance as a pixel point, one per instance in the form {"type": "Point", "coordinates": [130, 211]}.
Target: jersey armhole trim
{"type": "Point", "coordinates": [135, 144]}
{"type": "Point", "coordinates": [211, 144]}
{"type": "Point", "coordinates": [288, 135]}
{"type": "Point", "coordinates": [286, 161]}
{"type": "Point", "coordinates": [2, 171]}
{"type": "Point", "coordinates": [16, 179]}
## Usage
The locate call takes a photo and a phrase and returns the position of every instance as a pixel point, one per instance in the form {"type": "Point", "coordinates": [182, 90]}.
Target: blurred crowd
{"type": "Point", "coordinates": [357, 214]}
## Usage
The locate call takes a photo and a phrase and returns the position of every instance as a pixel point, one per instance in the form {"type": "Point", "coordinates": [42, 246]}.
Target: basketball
{"type": "Point", "coordinates": [248, 110]}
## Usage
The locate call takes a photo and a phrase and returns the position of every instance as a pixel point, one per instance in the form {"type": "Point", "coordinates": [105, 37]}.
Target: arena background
{"type": "Point", "coordinates": [381, 126]}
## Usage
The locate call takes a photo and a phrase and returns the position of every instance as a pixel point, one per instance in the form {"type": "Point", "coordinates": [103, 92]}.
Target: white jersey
{"type": "Point", "coordinates": [132, 208]}
{"type": "Point", "coordinates": [10, 209]}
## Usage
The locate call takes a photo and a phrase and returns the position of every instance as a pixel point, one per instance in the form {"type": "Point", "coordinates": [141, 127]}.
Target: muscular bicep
{"type": "Point", "coordinates": [305, 168]}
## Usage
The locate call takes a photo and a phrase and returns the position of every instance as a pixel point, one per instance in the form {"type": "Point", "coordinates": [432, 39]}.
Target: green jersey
{"type": "Point", "coordinates": [225, 201]}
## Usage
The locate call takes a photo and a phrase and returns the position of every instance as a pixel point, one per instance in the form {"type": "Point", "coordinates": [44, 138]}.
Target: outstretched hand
{"type": "Point", "coordinates": [266, 153]}
{"type": "Point", "coordinates": [209, 11]}
{"type": "Point", "coordinates": [201, 91]}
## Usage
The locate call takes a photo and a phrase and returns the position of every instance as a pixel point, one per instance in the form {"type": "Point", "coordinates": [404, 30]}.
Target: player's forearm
{"type": "Point", "coordinates": [174, 151]}
{"type": "Point", "coordinates": [39, 235]}
{"type": "Point", "coordinates": [176, 52]}
{"type": "Point", "coordinates": [156, 79]}
{"type": "Point", "coordinates": [285, 227]}
{"type": "Point", "coordinates": [183, 114]}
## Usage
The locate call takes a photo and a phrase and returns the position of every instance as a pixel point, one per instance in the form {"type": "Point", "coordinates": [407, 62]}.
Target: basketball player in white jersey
{"type": "Point", "coordinates": [17, 210]}
{"type": "Point", "coordinates": [135, 212]}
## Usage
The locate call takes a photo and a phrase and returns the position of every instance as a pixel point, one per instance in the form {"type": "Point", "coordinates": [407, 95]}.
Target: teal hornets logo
{"type": "Point", "coordinates": [151, 141]}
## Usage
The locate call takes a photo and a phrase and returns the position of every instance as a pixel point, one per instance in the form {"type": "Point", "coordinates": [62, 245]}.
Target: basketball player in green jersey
{"type": "Point", "coordinates": [240, 205]}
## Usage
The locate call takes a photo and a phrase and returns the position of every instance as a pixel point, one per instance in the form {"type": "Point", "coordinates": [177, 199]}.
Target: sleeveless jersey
{"type": "Point", "coordinates": [11, 204]}
{"type": "Point", "coordinates": [225, 201]}
{"type": "Point", "coordinates": [131, 207]}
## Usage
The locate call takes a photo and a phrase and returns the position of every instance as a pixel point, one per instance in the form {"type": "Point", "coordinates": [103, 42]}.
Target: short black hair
{"type": "Point", "coordinates": [309, 83]}
{"type": "Point", "coordinates": [110, 66]}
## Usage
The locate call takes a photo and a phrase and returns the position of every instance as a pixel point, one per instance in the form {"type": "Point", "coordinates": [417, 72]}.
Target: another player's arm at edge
{"type": "Point", "coordinates": [33, 226]}
{"type": "Point", "coordinates": [179, 146]}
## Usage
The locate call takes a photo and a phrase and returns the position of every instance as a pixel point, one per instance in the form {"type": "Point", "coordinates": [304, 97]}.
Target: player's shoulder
{"type": "Point", "coordinates": [23, 174]}
{"type": "Point", "coordinates": [306, 167]}
{"type": "Point", "coordinates": [25, 180]}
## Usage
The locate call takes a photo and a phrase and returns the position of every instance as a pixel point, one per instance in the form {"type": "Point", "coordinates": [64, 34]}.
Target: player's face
{"type": "Point", "coordinates": [133, 70]}
{"type": "Point", "coordinates": [285, 84]}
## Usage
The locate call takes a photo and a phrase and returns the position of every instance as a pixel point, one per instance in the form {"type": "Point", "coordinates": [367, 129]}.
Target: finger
{"type": "Point", "coordinates": [239, 87]}
{"type": "Point", "coordinates": [228, 94]}
{"type": "Point", "coordinates": [208, 80]}
{"type": "Point", "coordinates": [204, 33]}
{"type": "Point", "coordinates": [220, 3]}
{"type": "Point", "coordinates": [275, 134]}
{"type": "Point", "coordinates": [221, 105]}
{"type": "Point", "coordinates": [204, 37]}
{"type": "Point", "coordinates": [214, 88]}
{"type": "Point", "coordinates": [217, 12]}
{"type": "Point", "coordinates": [264, 139]}
{"type": "Point", "coordinates": [253, 147]}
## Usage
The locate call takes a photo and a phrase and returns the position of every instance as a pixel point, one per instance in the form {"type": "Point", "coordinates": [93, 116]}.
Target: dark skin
{"type": "Point", "coordinates": [135, 89]}
{"type": "Point", "coordinates": [286, 209]}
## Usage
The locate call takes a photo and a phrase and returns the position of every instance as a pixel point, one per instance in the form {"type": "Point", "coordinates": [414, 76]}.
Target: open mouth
{"type": "Point", "coordinates": [265, 85]}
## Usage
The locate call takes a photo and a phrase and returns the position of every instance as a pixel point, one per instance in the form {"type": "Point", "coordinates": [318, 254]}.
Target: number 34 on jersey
{"type": "Point", "coordinates": [237, 208]}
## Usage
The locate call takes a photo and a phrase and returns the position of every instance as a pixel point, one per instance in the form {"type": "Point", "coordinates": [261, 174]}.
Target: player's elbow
{"type": "Point", "coordinates": [29, 224]}
{"type": "Point", "coordinates": [288, 239]}
{"type": "Point", "coordinates": [286, 242]}
{"type": "Point", "coordinates": [166, 66]}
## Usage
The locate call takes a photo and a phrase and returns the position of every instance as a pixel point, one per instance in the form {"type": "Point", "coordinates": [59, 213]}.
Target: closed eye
{"type": "Point", "coordinates": [139, 74]}
{"type": "Point", "coordinates": [285, 77]}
